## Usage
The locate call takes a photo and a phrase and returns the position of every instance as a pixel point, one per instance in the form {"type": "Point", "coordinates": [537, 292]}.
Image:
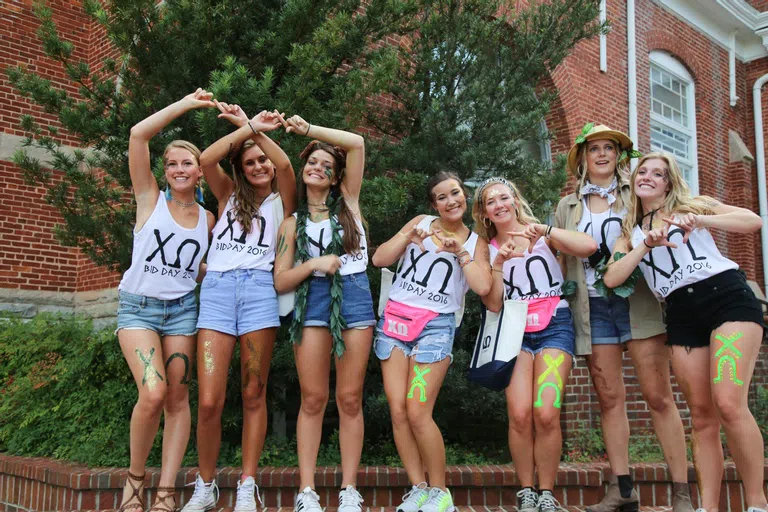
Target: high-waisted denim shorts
{"type": "Point", "coordinates": [433, 344]}
{"type": "Point", "coordinates": [237, 302]}
{"type": "Point", "coordinates": [356, 302]}
{"type": "Point", "coordinates": [559, 334]}
{"type": "Point", "coordinates": [176, 317]}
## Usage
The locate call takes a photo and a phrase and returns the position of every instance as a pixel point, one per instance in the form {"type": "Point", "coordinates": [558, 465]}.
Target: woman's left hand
{"type": "Point", "coordinates": [446, 243]}
{"type": "Point", "coordinates": [687, 223]}
{"type": "Point", "coordinates": [532, 232]}
{"type": "Point", "coordinates": [295, 124]}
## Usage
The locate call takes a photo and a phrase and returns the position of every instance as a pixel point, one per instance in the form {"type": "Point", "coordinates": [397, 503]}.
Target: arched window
{"type": "Point", "coordinates": [673, 114]}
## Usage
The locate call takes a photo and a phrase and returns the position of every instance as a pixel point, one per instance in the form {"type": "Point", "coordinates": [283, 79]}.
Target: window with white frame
{"type": "Point", "coordinates": [673, 114]}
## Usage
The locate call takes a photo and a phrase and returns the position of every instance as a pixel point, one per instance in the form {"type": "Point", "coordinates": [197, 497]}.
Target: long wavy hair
{"type": "Point", "coordinates": [678, 199]}
{"type": "Point", "coordinates": [621, 172]}
{"type": "Point", "coordinates": [247, 202]}
{"type": "Point", "coordinates": [352, 236]}
{"type": "Point", "coordinates": [523, 211]}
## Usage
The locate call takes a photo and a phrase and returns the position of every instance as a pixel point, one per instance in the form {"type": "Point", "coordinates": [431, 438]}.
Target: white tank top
{"type": "Point", "coordinates": [166, 257]}
{"type": "Point", "coordinates": [231, 248]}
{"type": "Point", "coordinates": [431, 280]}
{"type": "Point", "coordinates": [605, 229]}
{"type": "Point", "coordinates": [319, 237]}
{"type": "Point", "coordinates": [666, 269]}
{"type": "Point", "coordinates": [536, 275]}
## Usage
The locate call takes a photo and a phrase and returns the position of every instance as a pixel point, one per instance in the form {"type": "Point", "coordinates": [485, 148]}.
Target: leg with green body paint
{"type": "Point", "coordinates": [424, 382]}
{"type": "Point", "coordinates": [551, 369]}
{"type": "Point", "coordinates": [735, 347]}
{"type": "Point", "coordinates": [143, 353]}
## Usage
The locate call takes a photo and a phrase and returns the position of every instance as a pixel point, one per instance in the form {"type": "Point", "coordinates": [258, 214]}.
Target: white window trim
{"type": "Point", "coordinates": [672, 66]}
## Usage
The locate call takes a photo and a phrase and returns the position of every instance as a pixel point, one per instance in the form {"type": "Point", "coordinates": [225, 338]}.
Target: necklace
{"type": "Point", "coordinates": [182, 203]}
{"type": "Point", "coordinates": [320, 206]}
{"type": "Point", "coordinates": [650, 221]}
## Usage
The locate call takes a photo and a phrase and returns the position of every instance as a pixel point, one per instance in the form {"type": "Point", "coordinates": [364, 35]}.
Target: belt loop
{"type": "Point", "coordinates": [143, 301]}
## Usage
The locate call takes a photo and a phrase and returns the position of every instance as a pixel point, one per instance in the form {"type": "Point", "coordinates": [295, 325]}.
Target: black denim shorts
{"type": "Point", "coordinates": [697, 309]}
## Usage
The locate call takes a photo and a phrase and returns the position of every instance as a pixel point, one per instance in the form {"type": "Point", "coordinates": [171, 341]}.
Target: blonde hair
{"type": "Point", "coordinates": [678, 199]}
{"type": "Point", "coordinates": [621, 172]}
{"type": "Point", "coordinates": [181, 144]}
{"type": "Point", "coordinates": [523, 210]}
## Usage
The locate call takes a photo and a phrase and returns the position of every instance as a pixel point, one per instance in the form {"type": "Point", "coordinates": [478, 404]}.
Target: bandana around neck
{"type": "Point", "coordinates": [603, 192]}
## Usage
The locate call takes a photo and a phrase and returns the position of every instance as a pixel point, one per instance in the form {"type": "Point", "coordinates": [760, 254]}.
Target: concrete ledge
{"type": "Point", "coordinates": [101, 305]}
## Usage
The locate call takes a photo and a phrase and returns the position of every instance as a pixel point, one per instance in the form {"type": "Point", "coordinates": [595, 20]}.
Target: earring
{"type": "Point", "coordinates": [168, 196]}
{"type": "Point", "coordinates": [199, 194]}
{"type": "Point", "coordinates": [487, 224]}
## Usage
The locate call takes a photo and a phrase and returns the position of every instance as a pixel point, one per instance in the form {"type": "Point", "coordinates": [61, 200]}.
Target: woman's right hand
{"type": "Point", "coordinates": [232, 113]}
{"type": "Point", "coordinates": [658, 237]}
{"type": "Point", "coordinates": [416, 236]}
{"type": "Point", "coordinates": [507, 251]}
{"type": "Point", "coordinates": [327, 264]}
{"type": "Point", "coordinates": [198, 99]}
{"type": "Point", "coordinates": [266, 121]}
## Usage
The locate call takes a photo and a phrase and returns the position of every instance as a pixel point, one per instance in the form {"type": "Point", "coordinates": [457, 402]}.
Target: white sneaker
{"type": "Point", "coordinates": [755, 509]}
{"type": "Point", "coordinates": [527, 500]}
{"type": "Point", "coordinates": [438, 501]}
{"type": "Point", "coordinates": [245, 495]}
{"type": "Point", "coordinates": [307, 501]}
{"type": "Point", "coordinates": [548, 503]}
{"type": "Point", "coordinates": [414, 498]}
{"type": "Point", "coordinates": [204, 498]}
{"type": "Point", "coordinates": [350, 500]}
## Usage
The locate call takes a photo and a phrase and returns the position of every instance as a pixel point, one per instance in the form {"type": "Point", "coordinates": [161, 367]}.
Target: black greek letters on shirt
{"type": "Point", "coordinates": [426, 277]}
{"type": "Point", "coordinates": [533, 289]}
{"type": "Point", "coordinates": [317, 243]}
{"type": "Point", "coordinates": [672, 271]}
{"type": "Point", "coordinates": [238, 244]}
{"type": "Point", "coordinates": [161, 243]}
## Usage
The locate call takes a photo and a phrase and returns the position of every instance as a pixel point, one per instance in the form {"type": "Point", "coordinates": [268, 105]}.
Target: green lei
{"type": "Point", "coordinates": [302, 251]}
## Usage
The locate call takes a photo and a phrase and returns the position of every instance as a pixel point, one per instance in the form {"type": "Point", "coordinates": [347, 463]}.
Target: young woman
{"type": "Point", "coordinates": [157, 305]}
{"type": "Point", "coordinates": [327, 240]}
{"type": "Point", "coordinates": [439, 260]}
{"type": "Point", "coordinates": [237, 297]}
{"type": "Point", "coordinates": [714, 322]}
{"type": "Point", "coordinates": [524, 267]}
{"type": "Point", "coordinates": [607, 325]}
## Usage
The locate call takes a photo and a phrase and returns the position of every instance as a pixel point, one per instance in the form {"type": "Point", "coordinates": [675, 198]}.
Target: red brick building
{"type": "Point", "coordinates": [674, 74]}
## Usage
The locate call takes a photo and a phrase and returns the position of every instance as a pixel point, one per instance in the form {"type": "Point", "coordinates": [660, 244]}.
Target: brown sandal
{"type": "Point", "coordinates": [160, 504]}
{"type": "Point", "coordinates": [136, 491]}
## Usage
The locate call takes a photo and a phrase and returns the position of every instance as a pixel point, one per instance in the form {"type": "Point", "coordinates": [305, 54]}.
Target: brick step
{"type": "Point", "coordinates": [392, 509]}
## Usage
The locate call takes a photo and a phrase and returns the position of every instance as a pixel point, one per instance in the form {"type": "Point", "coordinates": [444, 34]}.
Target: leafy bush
{"type": "Point", "coordinates": [66, 392]}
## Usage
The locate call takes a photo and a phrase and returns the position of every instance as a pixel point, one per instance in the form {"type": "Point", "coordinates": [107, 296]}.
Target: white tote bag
{"type": "Point", "coordinates": [498, 344]}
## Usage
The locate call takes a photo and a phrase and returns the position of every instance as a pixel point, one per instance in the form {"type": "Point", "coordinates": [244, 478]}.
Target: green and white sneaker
{"type": "Point", "coordinates": [415, 498]}
{"type": "Point", "coordinates": [438, 501]}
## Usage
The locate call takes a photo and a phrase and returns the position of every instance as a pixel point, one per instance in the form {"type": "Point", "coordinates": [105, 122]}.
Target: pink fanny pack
{"type": "Point", "coordinates": [405, 323]}
{"type": "Point", "coordinates": [540, 313]}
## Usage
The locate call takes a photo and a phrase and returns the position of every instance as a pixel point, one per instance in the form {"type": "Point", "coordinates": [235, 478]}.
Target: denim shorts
{"type": "Point", "coordinates": [176, 317]}
{"type": "Point", "coordinates": [237, 302]}
{"type": "Point", "coordinates": [433, 344]}
{"type": "Point", "coordinates": [609, 320]}
{"type": "Point", "coordinates": [356, 302]}
{"type": "Point", "coordinates": [559, 334]}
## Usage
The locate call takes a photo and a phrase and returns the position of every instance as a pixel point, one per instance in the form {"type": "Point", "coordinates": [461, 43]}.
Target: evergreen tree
{"type": "Point", "coordinates": [443, 84]}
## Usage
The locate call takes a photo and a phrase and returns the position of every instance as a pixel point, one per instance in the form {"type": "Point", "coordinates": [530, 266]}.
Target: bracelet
{"type": "Point", "coordinates": [548, 232]}
{"type": "Point", "coordinates": [464, 262]}
{"type": "Point", "coordinates": [646, 244]}
{"type": "Point", "coordinates": [251, 127]}
{"type": "Point", "coordinates": [497, 270]}
{"type": "Point", "coordinates": [308, 127]}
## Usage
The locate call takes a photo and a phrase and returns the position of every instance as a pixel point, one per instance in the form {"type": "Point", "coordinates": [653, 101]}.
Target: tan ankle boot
{"type": "Point", "coordinates": [681, 497]}
{"type": "Point", "coordinates": [613, 502]}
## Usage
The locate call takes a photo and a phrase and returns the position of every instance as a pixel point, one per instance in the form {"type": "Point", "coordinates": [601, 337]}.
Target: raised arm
{"type": "Point", "coordinates": [391, 250]}
{"type": "Point", "coordinates": [725, 217]}
{"type": "Point", "coordinates": [352, 143]}
{"type": "Point", "coordinates": [619, 271]}
{"type": "Point", "coordinates": [144, 184]}
{"type": "Point", "coordinates": [573, 243]}
{"type": "Point", "coordinates": [494, 299]}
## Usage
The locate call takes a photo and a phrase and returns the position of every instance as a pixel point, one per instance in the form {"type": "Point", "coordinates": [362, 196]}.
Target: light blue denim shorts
{"type": "Point", "coordinates": [609, 320]}
{"type": "Point", "coordinates": [559, 334]}
{"type": "Point", "coordinates": [238, 301]}
{"type": "Point", "coordinates": [176, 317]}
{"type": "Point", "coordinates": [432, 345]}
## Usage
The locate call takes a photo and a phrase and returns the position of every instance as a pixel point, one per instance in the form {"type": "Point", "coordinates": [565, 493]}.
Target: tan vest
{"type": "Point", "coordinates": [645, 316]}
